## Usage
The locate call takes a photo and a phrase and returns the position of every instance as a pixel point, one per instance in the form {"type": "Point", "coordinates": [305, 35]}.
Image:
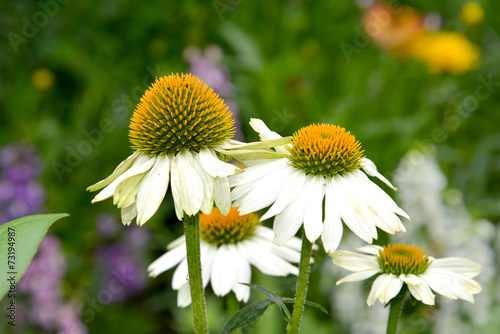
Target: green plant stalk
{"type": "Point", "coordinates": [395, 311]}
{"type": "Point", "coordinates": [198, 305]}
{"type": "Point", "coordinates": [302, 283]}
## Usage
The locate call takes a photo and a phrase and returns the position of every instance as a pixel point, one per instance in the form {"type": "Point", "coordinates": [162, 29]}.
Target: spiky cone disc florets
{"type": "Point", "coordinates": [396, 265]}
{"type": "Point", "coordinates": [179, 112]}
{"type": "Point", "coordinates": [177, 130]}
{"type": "Point", "coordinates": [219, 230]}
{"type": "Point", "coordinates": [325, 150]}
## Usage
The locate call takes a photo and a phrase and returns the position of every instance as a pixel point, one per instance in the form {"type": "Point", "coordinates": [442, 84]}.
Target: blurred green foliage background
{"type": "Point", "coordinates": [288, 68]}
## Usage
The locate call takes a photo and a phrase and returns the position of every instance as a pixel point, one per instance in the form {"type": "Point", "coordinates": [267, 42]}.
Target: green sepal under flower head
{"type": "Point", "coordinates": [217, 229]}
{"type": "Point", "coordinates": [179, 112]}
{"type": "Point", "coordinates": [325, 150]}
{"type": "Point", "coordinates": [403, 259]}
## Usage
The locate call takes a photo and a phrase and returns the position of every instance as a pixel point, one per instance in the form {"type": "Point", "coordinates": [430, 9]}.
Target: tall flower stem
{"type": "Point", "coordinates": [302, 282]}
{"type": "Point", "coordinates": [192, 233]}
{"type": "Point", "coordinates": [395, 311]}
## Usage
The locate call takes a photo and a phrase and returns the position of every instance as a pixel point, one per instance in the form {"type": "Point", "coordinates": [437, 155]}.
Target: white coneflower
{"type": "Point", "coordinates": [229, 245]}
{"type": "Point", "coordinates": [322, 164]}
{"type": "Point", "coordinates": [176, 130]}
{"type": "Point", "coordinates": [396, 265]}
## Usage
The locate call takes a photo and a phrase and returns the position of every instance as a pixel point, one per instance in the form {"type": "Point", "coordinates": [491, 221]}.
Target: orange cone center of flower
{"type": "Point", "coordinates": [326, 150]}
{"type": "Point", "coordinates": [219, 230]}
{"type": "Point", "coordinates": [403, 259]}
{"type": "Point", "coordinates": [179, 112]}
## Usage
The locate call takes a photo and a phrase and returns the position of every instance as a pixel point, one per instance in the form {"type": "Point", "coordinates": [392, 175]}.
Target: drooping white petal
{"type": "Point", "coordinates": [225, 269]}
{"type": "Point", "coordinates": [423, 293]}
{"type": "Point", "coordinates": [215, 167]}
{"type": "Point", "coordinates": [370, 169]}
{"type": "Point", "coordinates": [152, 189]}
{"type": "Point", "coordinates": [119, 170]}
{"type": "Point", "coordinates": [332, 225]}
{"type": "Point", "coordinates": [347, 205]}
{"type": "Point", "coordinates": [125, 193]}
{"type": "Point", "coordinates": [222, 195]}
{"type": "Point", "coordinates": [187, 187]}
{"type": "Point", "coordinates": [378, 288]}
{"type": "Point", "coordinates": [370, 249]}
{"type": "Point", "coordinates": [358, 276]}
{"type": "Point", "coordinates": [289, 192]}
{"type": "Point", "coordinates": [208, 252]}
{"type": "Point", "coordinates": [393, 287]}
{"type": "Point", "coordinates": [241, 291]}
{"type": "Point", "coordinates": [253, 173]}
{"type": "Point", "coordinates": [288, 222]}
{"type": "Point", "coordinates": [208, 187]}
{"type": "Point", "coordinates": [181, 275]}
{"type": "Point", "coordinates": [264, 191]}
{"type": "Point", "coordinates": [258, 254]}
{"type": "Point", "coordinates": [184, 296]}
{"type": "Point", "coordinates": [128, 214]}
{"type": "Point", "coordinates": [141, 165]}
{"type": "Point", "coordinates": [313, 214]}
{"type": "Point", "coordinates": [167, 261]}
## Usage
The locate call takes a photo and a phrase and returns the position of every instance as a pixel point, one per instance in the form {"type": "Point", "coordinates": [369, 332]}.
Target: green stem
{"type": "Point", "coordinates": [192, 233]}
{"type": "Point", "coordinates": [302, 282]}
{"type": "Point", "coordinates": [395, 311]}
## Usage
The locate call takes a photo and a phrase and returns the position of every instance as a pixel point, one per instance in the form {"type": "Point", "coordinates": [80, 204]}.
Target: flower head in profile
{"type": "Point", "coordinates": [395, 265]}
{"type": "Point", "coordinates": [317, 182]}
{"type": "Point", "coordinates": [229, 245]}
{"type": "Point", "coordinates": [447, 52]}
{"type": "Point", "coordinates": [176, 130]}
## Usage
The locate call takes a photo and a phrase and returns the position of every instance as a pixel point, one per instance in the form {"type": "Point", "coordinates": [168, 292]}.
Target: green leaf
{"type": "Point", "coordinates": [19, 240]}
{"type": "Point", "coordinates": [273, 298]}
{"type": "Point", "coordinates": [313, 304]}
{"type": "Point", "coordinates": [246, 316]}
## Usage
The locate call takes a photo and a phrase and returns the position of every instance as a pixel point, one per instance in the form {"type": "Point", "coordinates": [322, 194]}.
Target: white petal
{"type": "Point", "coordinates": [266, 134]}
{"type": "Point", "coordinates": [313, 214]}
{"type": "Point", "coordinates": [128, 214]}
{"type": "Point", "coordinates": [349, 206]}
{"type": "Point", "coordinates": [141, 165]}
{"type": "Point", "coordinates": [458, 265]}
{"type": "Point", "coordinates": [332, 226]}
{"type": "Point", "coordinates": [208, 252]}
{"type": "Point", "coordinates": [251, 174]}
{"type": "Point", "coordinates": [353, 261]}
{"type": "Point", "coordinates": [264, 190]}
{"type": "Point", "coordinates": [222, 195]}
{"type": "Point", "coordinates": [241, 291]}
{"type": "Point", "coordinates": [370, 249]}
{"type": "Point", "coordinates": [208, 181]}
{"type": "Point", "coordinates": [225, 269]}
{"type": "Point", "coordinates": [215, 167]}
{"type": "Point", "coordinates": [184, 296]}
{"type": "Point", "coordinates": [187, 188]}
{"type": "Point", "coordinates": [259, 255]}
{"type": "Point", "coordinates": [378, 288]}
{"type": "Point", "coordinates": [392, 289]}
{"type": "Point", "coordinates": [152, 189]}
{"type": "Point", "coordinates": [119, 170]}
{"type": "Point", "coordinates": [358, 276]}
{"type": "Point", "coordinates": [289, 192]}
{"type": "Point", "coordinates": [167, 261]}
{"type": "Point", "coordinates": [370, 169]}
{"type": "Point", "coordinates": [181, 275]}
{"type": "Point", "coordinates": [287, 223]}
{"type": "Point", "coordinates": [423, 293]}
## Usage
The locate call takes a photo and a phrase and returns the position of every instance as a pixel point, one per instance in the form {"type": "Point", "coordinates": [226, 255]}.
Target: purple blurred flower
{"type": "Point", "coordinates": [107, 226]}
{"type": "Point", "coordinates": [21, 192]}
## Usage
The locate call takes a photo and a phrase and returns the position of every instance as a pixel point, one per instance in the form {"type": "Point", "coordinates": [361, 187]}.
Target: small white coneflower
{"type": "Point", "coordinates": [229, 245]}
{"type": "Point", "coordinates": [176, 130]}
{"type": "Point", "coordinates": [396, 265]}
{"type": "Point", "coordinates": [317, 182]}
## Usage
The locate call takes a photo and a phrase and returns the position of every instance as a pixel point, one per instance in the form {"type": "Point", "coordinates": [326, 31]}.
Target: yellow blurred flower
{"type": "Point", "coordinates": [447, 52]}
{"type": "Point", "coordinates": [471, 13]}
{"type": "Point", "coordinates": [42, 79]}
{"type": "Point", "coordinates": [392, 29]}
